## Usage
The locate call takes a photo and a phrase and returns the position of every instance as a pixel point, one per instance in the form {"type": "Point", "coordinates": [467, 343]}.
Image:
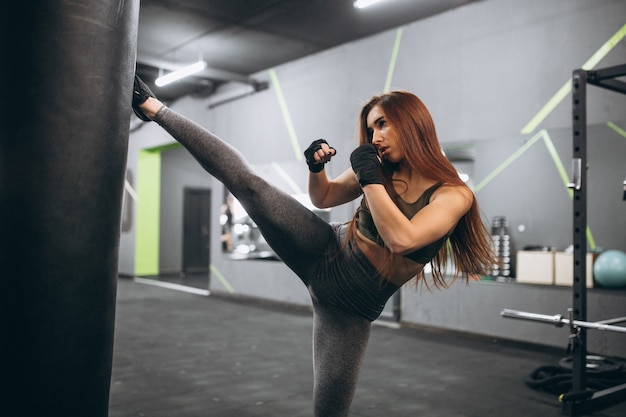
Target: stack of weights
{"type": "Point", "coordinates": [502, 247]}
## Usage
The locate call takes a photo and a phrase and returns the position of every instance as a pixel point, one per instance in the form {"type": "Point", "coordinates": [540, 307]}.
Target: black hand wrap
{"type": "Point", "coordinates": [316, 145]}
{"type": "Point", "coordinates": [141, 92]}
{"type": "Point", "coordinates": [366, 164]}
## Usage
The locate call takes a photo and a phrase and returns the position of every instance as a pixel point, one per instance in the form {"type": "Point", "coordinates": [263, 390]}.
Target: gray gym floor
{"type": "Point", "coordinates": [185, 355]}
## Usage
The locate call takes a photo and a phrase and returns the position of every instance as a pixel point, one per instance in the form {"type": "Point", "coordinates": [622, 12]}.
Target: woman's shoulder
{"type": "Point", "coordinates": [453, 192]}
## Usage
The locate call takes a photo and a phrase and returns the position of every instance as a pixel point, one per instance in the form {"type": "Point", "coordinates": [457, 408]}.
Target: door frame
{"type": "Point", "coordinates": [185, 267]}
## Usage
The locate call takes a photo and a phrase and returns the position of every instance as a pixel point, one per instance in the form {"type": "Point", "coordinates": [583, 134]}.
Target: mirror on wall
{"type": "Point", "coordinates": [240, 237]}
{"type": "Point", "coordinates": [520, 183]}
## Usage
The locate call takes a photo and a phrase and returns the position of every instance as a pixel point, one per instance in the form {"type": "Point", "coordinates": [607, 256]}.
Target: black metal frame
{"type": "Point", "coordinates": [605, 78]}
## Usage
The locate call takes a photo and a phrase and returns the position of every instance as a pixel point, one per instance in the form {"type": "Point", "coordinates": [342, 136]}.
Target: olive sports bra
{"type": "Point", "coordinates": [365, 224]}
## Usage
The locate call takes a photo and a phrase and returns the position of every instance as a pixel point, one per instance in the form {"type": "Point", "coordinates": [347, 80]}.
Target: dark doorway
{"type": "Point", "coordinates": [196, 231]}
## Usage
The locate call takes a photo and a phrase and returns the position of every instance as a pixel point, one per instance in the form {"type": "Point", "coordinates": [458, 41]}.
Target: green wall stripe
{"type": "Point", "coordinates": [394, 58]}
{"type": "Point", "coordinates": [590, 240]}
{"type": "Point", "coordinates": [557, 161]}
{"type": "Point", "coordinates": [545, 111]}
{"type": "Point", "coordinates": [295, 188]}
{"type": "Point", "coordinates": [617, 129]}
{"type": "Point", "coordinates": [542, 134]}
{"type": "Point", "coordinates": [165, 147]}
{"type": "Point", "coordinates": [605, 49]}
{"type": "Point", "coordinates": [547, 140]}
{"type": "Point", "coordinates": [564, 91]}
{"type": "Point", "coordinates": [286, 116]}
{"type": "Point", "coordinates": [131, 191]}
{"type": "Point", "coordinates": [223, 280]}
{"type": "Point", "coordinates": [148, 212]}
{"type": "Point", "coordinates": [508, 161]}
{"type": "Point", "coordinates": [566, 180]}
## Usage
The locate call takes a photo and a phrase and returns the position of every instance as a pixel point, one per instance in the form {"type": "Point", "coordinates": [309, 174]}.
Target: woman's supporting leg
{"type": "Point", "coordinates": [339, 344]}
{"type": "Point", "coordinates": [296, 234]}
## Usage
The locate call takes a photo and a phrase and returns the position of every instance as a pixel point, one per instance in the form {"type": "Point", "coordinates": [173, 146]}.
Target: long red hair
{"type": "Point", "coordinates": [469, 246]}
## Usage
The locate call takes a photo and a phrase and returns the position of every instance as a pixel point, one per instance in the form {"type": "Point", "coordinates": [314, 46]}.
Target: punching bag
{"type": "Point", "coordinates": [66, 90]}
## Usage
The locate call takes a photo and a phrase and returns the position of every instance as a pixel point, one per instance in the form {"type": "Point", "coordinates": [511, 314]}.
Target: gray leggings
{"type": "Point", "coordinates": [346, 289]}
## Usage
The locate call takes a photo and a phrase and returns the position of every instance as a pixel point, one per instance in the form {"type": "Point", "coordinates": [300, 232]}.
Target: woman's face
{"type": "Point", "coordinates": [383, 135]}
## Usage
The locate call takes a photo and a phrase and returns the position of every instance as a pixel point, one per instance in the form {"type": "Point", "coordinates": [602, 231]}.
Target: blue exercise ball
{"type": "Point", "coordinates": [609, 269]}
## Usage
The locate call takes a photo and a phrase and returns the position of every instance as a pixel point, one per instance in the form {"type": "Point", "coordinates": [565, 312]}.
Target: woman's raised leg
{"type": "Point", "coordinates": [297, 235]}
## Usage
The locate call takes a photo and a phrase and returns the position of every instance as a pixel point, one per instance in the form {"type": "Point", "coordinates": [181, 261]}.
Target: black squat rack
{"type": "Point", "coordinates": [580, 399]}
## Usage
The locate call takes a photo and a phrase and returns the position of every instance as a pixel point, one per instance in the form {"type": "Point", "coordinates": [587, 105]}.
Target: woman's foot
{"type": "Point", "coordinates": [145, 104]}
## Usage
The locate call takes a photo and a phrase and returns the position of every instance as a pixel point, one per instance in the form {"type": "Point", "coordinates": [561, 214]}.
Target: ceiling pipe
{"type": "Point", "coordinates": [236, 94]}
{"type": "Point", "coordinates": [208, 72]}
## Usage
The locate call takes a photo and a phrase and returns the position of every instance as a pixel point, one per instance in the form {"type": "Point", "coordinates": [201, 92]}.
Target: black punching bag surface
{"type": "Point", "coordinates": [66, 89]}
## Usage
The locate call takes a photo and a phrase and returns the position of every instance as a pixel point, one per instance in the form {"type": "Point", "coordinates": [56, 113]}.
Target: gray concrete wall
{"type": "Point", "coordinates": [178, 172]}
{"type": "Point", "coordinates": [476, 308]}
{"type": "Point", "coordinates": [484, 71]}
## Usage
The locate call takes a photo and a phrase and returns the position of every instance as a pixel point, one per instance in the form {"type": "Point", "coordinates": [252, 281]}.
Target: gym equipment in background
{"type": "Point", "coordinates": [609, 269]}
{"type": "Point", "coordinates": [502, 248]}
{"type": "Point", "coordinates": [581, 399]}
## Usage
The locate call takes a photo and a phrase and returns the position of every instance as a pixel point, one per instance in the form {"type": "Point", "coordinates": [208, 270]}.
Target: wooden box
{"type": "Point", "coordinates": [535, 267]}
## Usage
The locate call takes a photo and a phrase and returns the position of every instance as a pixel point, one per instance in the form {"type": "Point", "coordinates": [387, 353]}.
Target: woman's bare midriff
{"type": "Point", "coordinates": [402, 269]}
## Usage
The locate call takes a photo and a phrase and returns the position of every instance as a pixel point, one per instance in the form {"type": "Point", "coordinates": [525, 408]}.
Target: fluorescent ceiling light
{"type": "Point", "coordinates": [180, 73]}
{"type": "Point", "coordinates": [361, 4]}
